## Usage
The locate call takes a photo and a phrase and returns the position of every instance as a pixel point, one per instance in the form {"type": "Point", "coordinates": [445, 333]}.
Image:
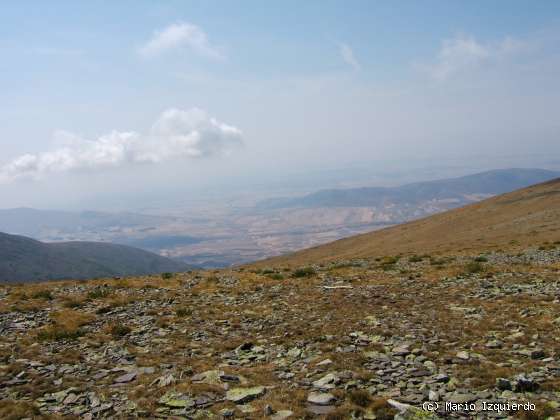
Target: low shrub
{"type": "Point", "coordinates": [304, 272]}
{"type": "Point", "coordinates": [119, 330]}
{"type": "Point", "coordinates": [43, 294]}
{"type": "Point", "coordinates": [183, 312]}
{"type": "Point", "coordinates": [474, 267]}
{"type": "Point", "coordinates": [415, 258]}
{"type": "Point", "coordinates": [360, 397]}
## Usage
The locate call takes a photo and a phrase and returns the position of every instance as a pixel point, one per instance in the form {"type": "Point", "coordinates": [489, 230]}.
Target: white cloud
{"type": "Point", "coordinates": [180, 35]}
{"type": "Point", "coordinates": [348, 56]}
{"type": "Point", "coordinates": [465, 52]}
{"type": "Point", "coordinates": [176, 134]}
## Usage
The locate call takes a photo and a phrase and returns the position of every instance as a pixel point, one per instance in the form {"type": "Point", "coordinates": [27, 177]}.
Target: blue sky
{"type": "Point", "coordinates": [304, 83]}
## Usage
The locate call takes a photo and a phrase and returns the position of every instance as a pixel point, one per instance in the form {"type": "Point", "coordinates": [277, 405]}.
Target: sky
{"type": "Point", "coordinates": [103, 102]}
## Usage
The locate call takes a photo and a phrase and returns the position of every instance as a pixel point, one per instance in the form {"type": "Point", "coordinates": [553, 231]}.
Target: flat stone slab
{"type": "Point", "coordinates": [321, 398]}
{"type": "Point", "coordinates": [243, 395]}
{"type": "Point", "coordinates": [128, 377]}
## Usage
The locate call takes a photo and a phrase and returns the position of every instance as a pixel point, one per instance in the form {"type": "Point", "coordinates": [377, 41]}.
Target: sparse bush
{"type": "Point", "coordinates": [276, 276]}
{"type": "Point", "coordinates": [304, 272]}
{"type": "Point", "coordinates": [183, 312]}
{"type": "Point", "coordinates": [43, 294]}
{"type": "Point", "coordinates": [436, 262]}
{"type": "Point", "coordinates": [73, 303]}
{"type": "Point", "coordinates": [119, 330]}
{"type": "Point", "coordinates": [99, 293]}
{"type": "Point", "coordinates": [389, 260]}
{"type": "Point", "coordinates": [213, 279]}
{"type": "Point", "coordinates": [164, 322]}
{"type": "Point", "coordinates": [57, 333]}
{"type": "Point", "coordinates": [15, 410]}
{"type": "Point", "coordinates": [166, 276]}
{"type": "Point", "coordinates": [481, 259]}
{"type": "Point", "coordinates": [25, 308]}
{"type": "Point", "coordinates": [342, 264]}
{"type": "Point", "coordinates": [103, 310]}
{"type": "Point", "coordinates": [415, 258]}
{"type": "Point", "coordinates": [360, 397]}
{"type": "Point", "coordinates": [382, 410]}
{"type": "Point", "coordinates": [474, 267]}
{"type": "Point", "coordinates": [388, 263]}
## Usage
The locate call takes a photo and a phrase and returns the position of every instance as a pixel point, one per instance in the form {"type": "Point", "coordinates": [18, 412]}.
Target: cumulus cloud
{"type": "Point", "coordinates": [180, 35]}
{"type": "Point", "coordinates": [176, 134]}
{"type": "Point", "coordinates": [465, 52]}
{"type": "Point", "coordinates": [348, 56]}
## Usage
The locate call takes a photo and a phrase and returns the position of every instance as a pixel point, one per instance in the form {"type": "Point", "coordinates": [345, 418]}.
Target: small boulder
{"type": "Point", "coordinates": [321, 398]}
{"type": "Point", "coordinates": [244, 395]}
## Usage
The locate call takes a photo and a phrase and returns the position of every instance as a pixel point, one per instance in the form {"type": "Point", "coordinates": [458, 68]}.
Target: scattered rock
{"type": "Point", "coordinates": [244, 395]}
{"type": "Point", "coordinates": [127, 377]}
{"type": "Point", "coordinates": [321, 398]}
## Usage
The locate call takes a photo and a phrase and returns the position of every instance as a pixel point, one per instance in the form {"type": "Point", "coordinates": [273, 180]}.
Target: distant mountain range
{"type": "Point", "coordinates": [523, 218]}
{"type": "Point", "coordinates": [456, 191]}
{"type": "Point", "coordinates": [42, 223]}
{"type": "Point", "coordinates": [25, 260]}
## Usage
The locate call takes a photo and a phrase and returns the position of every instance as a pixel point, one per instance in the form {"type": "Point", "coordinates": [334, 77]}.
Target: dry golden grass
{"type": "Point", "coordinates": [16, 410]}
{"type": "Point", "coordinates": [293, 312]}
{"type": "Point", "coordinates": [65, 325]}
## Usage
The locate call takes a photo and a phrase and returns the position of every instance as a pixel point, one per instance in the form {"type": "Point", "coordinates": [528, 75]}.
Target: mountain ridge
{"type": "Point", "coordinates": [485, 183]}
{"type": "Point", "coordinates": [23, 259]}
{"type": "Point", "coordinates": [525, 217]}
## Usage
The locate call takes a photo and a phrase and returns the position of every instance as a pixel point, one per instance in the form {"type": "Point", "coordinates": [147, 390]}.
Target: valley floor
{"type": "Point", "coordinates": [349, 339]}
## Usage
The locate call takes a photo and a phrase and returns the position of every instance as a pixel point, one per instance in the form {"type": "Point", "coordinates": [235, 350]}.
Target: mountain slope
{"type": "Point", "coordinates": [527, 217]}
{"type": "Point", "coordinates": [23, 259]}
{"type": "Point", "coordinates": [461, 190]}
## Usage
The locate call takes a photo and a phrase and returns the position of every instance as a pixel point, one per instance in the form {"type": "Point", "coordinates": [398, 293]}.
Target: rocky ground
{"type": "Point", "coordinates": [365, 339]}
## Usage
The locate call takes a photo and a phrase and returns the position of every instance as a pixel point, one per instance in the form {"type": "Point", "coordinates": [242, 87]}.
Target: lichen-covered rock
{"type": "Point", "coordinates": [244, 395]}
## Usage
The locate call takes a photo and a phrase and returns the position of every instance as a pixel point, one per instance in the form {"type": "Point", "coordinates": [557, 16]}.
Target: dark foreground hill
{"type": "Point", "coordinates": [459, 191]}
{"type": "Point", "coordinates": [24, 260]}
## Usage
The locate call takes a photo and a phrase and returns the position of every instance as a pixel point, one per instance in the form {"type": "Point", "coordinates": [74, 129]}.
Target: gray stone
{"type": "Point", "coordinates": [326, 382]}
{"type": "Point", "coordinates": [243, 395]}
{"type": "Point", "coordinates": [321, 398]}
{"type": "Point", "coordinates": [441, 377]}
{"type": "Point", "coordinates": [494, 344]}
{"type": "Point", "coordinates": [281, 415]}
{"type": "Point", "coordinates": [128, 377]}
{"type": "Point", "coordinates": [401, 350]}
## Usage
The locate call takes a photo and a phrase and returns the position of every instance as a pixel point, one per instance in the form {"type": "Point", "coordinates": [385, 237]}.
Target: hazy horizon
{"type": "Point", "coordinates": [125, 105]}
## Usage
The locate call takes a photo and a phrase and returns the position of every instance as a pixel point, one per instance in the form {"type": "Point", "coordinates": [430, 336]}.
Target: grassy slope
{"type": "Point", "coordinates": [526, 217]}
